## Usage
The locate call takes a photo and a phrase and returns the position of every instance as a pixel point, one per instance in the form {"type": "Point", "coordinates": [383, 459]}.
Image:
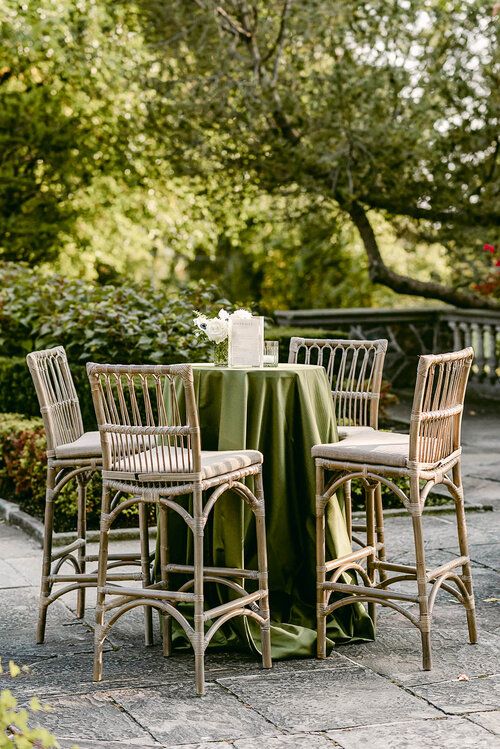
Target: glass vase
{"type": "Point", "coordinates": [220, 352]}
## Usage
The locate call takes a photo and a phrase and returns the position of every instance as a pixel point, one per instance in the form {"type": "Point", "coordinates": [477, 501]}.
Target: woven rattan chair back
{"type": "Point", "coordinates": [354, 369]}
{"type": "Point", "coordinates": [57, 396]}
{"type": "Point", "coordinates": [438, 403]}
{"type": "Point", "coordinates": [142, 428]}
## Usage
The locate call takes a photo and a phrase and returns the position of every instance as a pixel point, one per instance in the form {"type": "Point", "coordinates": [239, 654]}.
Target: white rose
{"type": "Point", "coordinates": [217, 330]}
{"type": "Point", "coordinates": [223, 315]}
{"type": "Point", "coordinates": [242, 314]}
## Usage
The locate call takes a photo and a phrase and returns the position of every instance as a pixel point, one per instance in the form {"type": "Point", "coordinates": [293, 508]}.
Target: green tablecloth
{"type": "Point", "coordinates": [282, 412]}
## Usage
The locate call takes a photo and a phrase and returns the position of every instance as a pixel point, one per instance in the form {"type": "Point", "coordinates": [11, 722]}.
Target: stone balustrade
{"type": "Point", "coordinates": [414, 331]}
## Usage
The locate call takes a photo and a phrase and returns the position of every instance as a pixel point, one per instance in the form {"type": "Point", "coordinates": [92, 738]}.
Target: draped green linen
{"type": "Point", "coordinates": [282, 411]}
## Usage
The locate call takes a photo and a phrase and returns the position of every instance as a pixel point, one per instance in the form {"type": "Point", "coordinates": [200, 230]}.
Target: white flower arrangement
{"type": "Point", "coordinates": [217, 328]}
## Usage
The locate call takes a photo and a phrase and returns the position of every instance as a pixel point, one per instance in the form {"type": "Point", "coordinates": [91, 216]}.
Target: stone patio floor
{"type": "Point", "coordinates": [372, 694]}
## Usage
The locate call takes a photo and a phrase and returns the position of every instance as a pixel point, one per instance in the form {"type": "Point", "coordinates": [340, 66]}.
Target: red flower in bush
{"type": "Point", "coordinates": [489, 248]}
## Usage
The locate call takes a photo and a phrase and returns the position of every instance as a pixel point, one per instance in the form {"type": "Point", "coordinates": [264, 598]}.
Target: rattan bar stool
{"type": "Point", "coordinates": [354, 369]}
{"type": "Point", "coordinates": [71, 454]}
{"type": "Point", "coordinates": [428, 456]}
{"type": "Point", "coordinates": [153, 453]}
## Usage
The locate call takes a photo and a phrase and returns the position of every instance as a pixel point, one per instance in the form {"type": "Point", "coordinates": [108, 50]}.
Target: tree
{"type": "Point", "coordinates": [392, 108]}
{"type": "Point", "coordinates": [71, 111]}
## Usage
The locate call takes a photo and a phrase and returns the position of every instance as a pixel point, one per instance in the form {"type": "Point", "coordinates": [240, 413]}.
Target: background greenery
{"type": "Point", "coordinates": [261, 145]}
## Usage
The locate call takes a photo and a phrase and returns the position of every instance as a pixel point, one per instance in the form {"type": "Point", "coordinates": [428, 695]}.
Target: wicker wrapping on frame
{"type": "Point", "coordinates": [354, 370]}
{"type": "Point", "coordinates": [152, 453]}
{"type": "Point", "coordinates": [71, 454]}
{"type": "Point", "coordinates": [432, 456]}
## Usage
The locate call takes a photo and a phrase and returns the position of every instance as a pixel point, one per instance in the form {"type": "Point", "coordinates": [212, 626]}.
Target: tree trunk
{"type": "Point", "coordinates": [380, 273]}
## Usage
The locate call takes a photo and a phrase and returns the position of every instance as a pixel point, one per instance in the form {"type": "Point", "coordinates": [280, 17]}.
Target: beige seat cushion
{"type": "Point", "coordinates": [344, 432]}
{"type": "Point", "coordinates": [86, 446]}
{"type": "Point", "coordinates": [379, 448]}
{"type": "Point", "coordinates": [213, 462]}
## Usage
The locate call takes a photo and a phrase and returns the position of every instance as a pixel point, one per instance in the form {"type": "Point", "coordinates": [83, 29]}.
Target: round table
{"type": "Point", "coordinates": [282, 411]}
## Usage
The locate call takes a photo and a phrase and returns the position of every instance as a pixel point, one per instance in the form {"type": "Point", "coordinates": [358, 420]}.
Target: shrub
{"type": "Point", "coordinates": [23, 475]}
{"type": "Point", "coordinates": [127, 323]}
{"type": "Point", "coordinates": [15, 730]}
{"type": "Point", "coordinates": [17, 393]}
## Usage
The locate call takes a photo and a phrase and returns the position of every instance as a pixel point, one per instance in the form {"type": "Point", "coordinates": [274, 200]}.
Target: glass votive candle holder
{"type": "Point", "coordinates": [271, 353]}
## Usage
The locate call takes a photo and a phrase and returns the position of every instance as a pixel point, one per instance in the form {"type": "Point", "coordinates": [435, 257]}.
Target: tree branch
{"type": "Point", "coordinates": [380, 273]}
{"type": "Point", "coordinates": [456, 217]}
{"type": "Point", "coordinates": [234, 26]}
{"type": "Point", "coordinates": [280, 40]}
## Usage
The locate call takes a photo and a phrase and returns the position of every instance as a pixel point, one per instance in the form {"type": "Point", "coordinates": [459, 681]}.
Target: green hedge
{"type": "Point", "coordinates": [17, 393]}
{"type": "Point", "coordinates": [23, 475]}
{"type": "Point", "coordinates": [128, 323]}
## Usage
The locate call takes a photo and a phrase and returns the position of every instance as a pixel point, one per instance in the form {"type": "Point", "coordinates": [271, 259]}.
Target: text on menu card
{"type": "Point", "coordinates": [246, 342]}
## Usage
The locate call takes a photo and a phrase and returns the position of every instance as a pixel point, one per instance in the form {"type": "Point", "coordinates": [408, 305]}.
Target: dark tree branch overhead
{"type": "Point", "coordinates": [380, 273]}
{"type": "Point", "coordinates": [280, 39]}
{"type": "Point", "coordinates": [430, 214]}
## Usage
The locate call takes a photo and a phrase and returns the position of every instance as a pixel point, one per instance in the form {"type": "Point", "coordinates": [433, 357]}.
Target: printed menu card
{"type": "Point", "coordinates": [246, 341]}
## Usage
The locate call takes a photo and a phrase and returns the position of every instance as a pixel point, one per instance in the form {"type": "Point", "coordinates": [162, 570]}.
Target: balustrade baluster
{"type": "Point", "coordinates": [492, 356]}
{"type": "Point", "coordinates": [478, 369]}
{"type": "Point", "coordinates": [456, 335]}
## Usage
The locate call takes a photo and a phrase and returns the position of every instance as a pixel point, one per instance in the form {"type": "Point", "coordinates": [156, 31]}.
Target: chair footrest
{"type": "Point", "coordinates": [238, 603]}
{"type": "Point", "coordinates": [412, 570]}
{"type": "Point", "coordinates": [444, 568]}
{"type": "Point", "coordinates": [359, 527]}
{"type": "Point", "coordinates": [149, 592]}
{"type": "Point", "coordinates": [219, 571]}
{"type": "Point", "coordinates": [354, 556]}
{"type": "Point", "coordinates": [91, 577]}
{"type": "Point", "coordinates": [64, 550]}
{"type": "Point", "coordinates": [363, 590]}
{"type": "Point", "coordinates": [129, 557]}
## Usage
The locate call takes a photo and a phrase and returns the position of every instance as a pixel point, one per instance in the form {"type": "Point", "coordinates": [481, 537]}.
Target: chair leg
{"type": "Point", "coordinates": [320, 565]}
{"type": "Point", "coordinates": [348, 508]}
{"type": "Point", "coordinates": [45, 586]}
{"type": "Point", "coordinates": [424, 619]}
{"type": "Point", "coordinates": [464, 551]}
{"type": "Point", "coordinates": [81, 530]}
{"type": "Point", "coordinates": [370, 541]}
{"type": "Point", "coordinates": [102, 566]}
{"type": "Point", "coordinates": [380, 532]}
{"type": "Point", "coordinates": [146, 574]}
{"type": "Point", "coordinates": [165, 619]}
{"type": "Point", "coordinates": [260, 520]}
{"type": "Point", "coordinates": [199, 625]}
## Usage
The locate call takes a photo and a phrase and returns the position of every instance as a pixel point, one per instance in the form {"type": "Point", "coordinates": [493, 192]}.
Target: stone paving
{"type": "Point", "coordinates": [371, 694]}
